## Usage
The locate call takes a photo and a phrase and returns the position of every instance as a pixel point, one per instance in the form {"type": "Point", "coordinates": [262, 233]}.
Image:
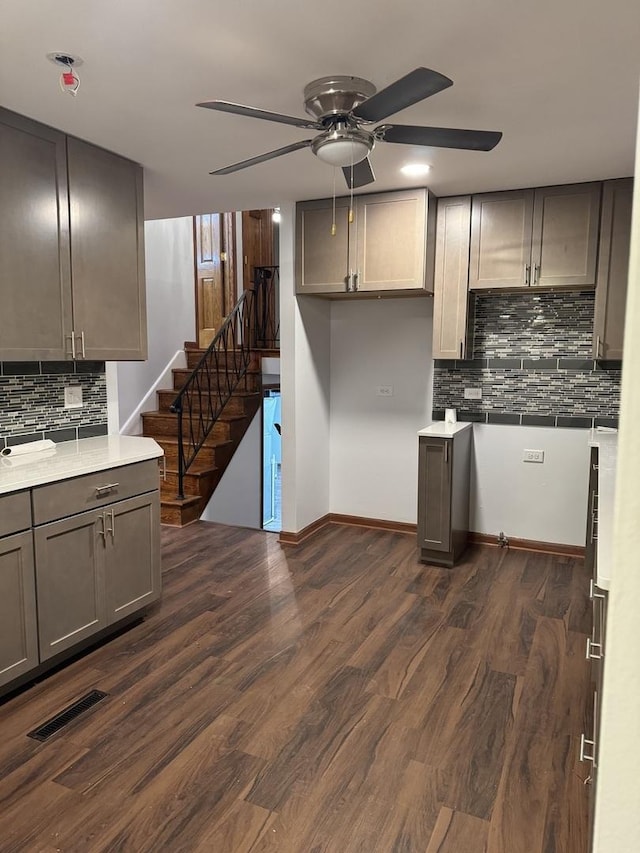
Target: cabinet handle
{"type": "Point", "coordinates": [598, 346]}
{"type": "Point", "coordinates": [72, 337]}
{"type": "Point", "coordinates": [446, 452]}
{"type": "Point", "coordinates": [163, 469]}
{"type": "Point", "coordinates": [536, 274]}
{"type": "Point", "coordinates": [102, 532]}
{"type": "Point", "coordinates": [356, 276]}
{"type": "Point", "coordinates": [461, 349]}
{"type": "Point", "coordinates": [584, 742]}
{"type": "Point", "coordinates": [100, 490]}
{"type": "Point", "coordinates": [111, 529]}
{"type": "Point", "coordinates": [527, 271]}
{"type": "Point", "coordinates": [591, 655]}
{"type": "Point", "coordinates": [592, 590]}
{"type": "Point", "coordinates": [82, 343]}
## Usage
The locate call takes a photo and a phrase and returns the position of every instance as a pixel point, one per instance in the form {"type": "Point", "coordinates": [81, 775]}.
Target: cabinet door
{"type": "Point", "coordinates": [107, 254]}
{"type": "Point", "coordinates": [592, 509]}
{"type": "Point", "coordinates": [500, 254]}
{"type": "Point", "coordinates": [19, 634]}
{"type": "Point", "coordinates": [565, 236]}
{"type": "Point", "coordinates": [613, 269]}
{"type": "Point", "coordinates": [451, 281]}
{"type": "Point", "coordinates": [70, 581]}
{"type": "Point", "coordinates": [35, 283]}
{"type": "Point", "coordinates": [389, 251]}
{"type": "Point", "coordinates": [434, 493]}
{"type": "Point", "coordinates": [322, 258]}
{"type": "Point", "coordinates": [133, 555]}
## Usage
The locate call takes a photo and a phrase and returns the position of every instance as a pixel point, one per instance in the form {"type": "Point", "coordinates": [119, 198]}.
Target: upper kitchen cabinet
{"type": "Point", "coordinates": [35, 279]}
{"type": "Point", "coordinates": [107, 254]}
{"type": "Point", "coordinates": [613, 269]}
{"type": "Point", "coordinates": [451, 278]}
{"type": "Point", "coordinates": [71, 248]}
{"type": "Point", "coordinates": [386, 248]}
{"type": "Point", "coordinates": [546, 237]}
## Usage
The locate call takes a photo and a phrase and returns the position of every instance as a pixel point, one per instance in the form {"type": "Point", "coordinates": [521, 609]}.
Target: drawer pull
{"type": "Point", "coordinates": [584, 743]}
{"type": "Point", "coordinates": [591, 654]}
{"type": "Point", "coordinates": [101, 490]}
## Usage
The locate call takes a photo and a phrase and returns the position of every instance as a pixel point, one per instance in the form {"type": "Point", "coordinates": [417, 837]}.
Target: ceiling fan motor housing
{"type": "Point", "coordinates": [336, 96]}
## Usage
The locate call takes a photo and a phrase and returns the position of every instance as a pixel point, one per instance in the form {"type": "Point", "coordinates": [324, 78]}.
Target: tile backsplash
{"type": "Point", "coordinates": [32, 401]}
{"type": "Point", "coordinates": [532, 362]}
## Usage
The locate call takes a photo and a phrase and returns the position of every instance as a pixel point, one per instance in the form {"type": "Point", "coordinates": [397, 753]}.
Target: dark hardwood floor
{"type": "Point", "coordinates": [339, 696]}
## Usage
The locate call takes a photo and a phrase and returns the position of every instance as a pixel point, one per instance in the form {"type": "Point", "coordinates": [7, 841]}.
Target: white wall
{"type": "Point", "coordinates": [545, 502]}
{"type": "Point", "coordinates": [304, 381]}
{"type": "Point", "coordinates": [237, 498]}
{"type": "Point", "coordinates": [374, 446]}
{"type": "Point", "coordinates": [617, 827]}
{"type": "Point", "coordinates": [170, 308]}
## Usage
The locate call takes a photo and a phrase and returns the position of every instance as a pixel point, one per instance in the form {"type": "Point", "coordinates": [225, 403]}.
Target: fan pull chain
{"type": "Point", "coordinates": [333, 220]}
{"type": "Point", "coordinates": [351, 195]}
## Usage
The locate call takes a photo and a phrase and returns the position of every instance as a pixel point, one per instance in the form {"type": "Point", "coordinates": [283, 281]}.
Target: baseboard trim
{"type": "Point", "coordinates": [288, 538]}
{"type": "Point", "coordinates": [133, 424]}
{"type": "Point", "coordinates": [529, 545]}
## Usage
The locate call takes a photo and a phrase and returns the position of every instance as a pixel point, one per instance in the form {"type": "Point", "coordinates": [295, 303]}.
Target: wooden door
{"type": "Point", "coordinates": [70, 581]}
{"type": "Point", "coordinates": [107, 254]}
{"type": "Point", "coordinates": [132, 555]}
{"type": "Point", "coordinates": [214, 239]}
{"type": "Point", "coordinates": [500, 252]}
{"type": "Point", "coordinates": [451, 281]}
{"type": "Point", "coordinates": [389, 250]}
{"type": "Point", "coordinates": [257, 242]}
{"type": "Point", "coordinates": [434, 493]}
{"type": "Point", "coordinates": [565, 236]}
{"type": "Point", "coordinates": [322, 257]}
{"type": "Point", "coordinates": [35, 279]}
{"type": "Point", "coordinates": [613, 269]}
{"type": "Point", "coordinates": [19, 634]}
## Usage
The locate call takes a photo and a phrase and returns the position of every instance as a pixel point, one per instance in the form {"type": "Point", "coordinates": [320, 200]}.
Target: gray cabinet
{"type": "Point", "coordinates": [71, 248]}
{"type": "Point", "coordinates": [383, 246]}
{"type": "Point", "coordinates": [613, 269]}
{"type": "Point", "coordinates": [443, 496]}
{"type": "Point", "coordinates": [18, 633]}
{"type": "Point", "coordinates": [546, 237]}
{"type": "Point", "coordinates": [451, 278]}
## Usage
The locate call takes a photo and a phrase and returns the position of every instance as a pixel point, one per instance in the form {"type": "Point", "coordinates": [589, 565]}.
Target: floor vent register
{"type": "Point", "coordinates": [66, 716]}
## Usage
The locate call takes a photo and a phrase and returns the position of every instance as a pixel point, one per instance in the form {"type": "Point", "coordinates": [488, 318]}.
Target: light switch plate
{"type": "Point", "coordinates": [73, 397]}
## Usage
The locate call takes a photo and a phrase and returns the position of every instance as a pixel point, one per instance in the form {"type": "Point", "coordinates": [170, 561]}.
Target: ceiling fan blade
{"type": "Point", "coordinates": [362, 174]}
{"type": "Point", "coordinates": [261, 158]}
{"type": "Point", "coordinates": [419, 84]}
{"type": "Point", "coordinates": [254, 112]}
{"type": "Point", "coordinates": [441, 137]}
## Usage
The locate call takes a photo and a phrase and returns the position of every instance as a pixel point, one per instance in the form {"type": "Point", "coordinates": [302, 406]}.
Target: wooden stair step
{"type": "Point", "coordinates": [250, 381]}
{"type": "Point", "coordinates": [228, 427]}
{"type": "Point", "coordinates": [215, 454]}
{"type": "Point", "coordinates": [223, 358]}
{"type": "Point", "coordinates": [199, 482]}
{"type": "Point", "coordinates": [180, 512]}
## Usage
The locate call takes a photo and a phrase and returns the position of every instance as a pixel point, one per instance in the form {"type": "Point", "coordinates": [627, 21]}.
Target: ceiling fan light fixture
{"type": "Point", "coordinates": [342, 152]}
{"type": "Point", "coordinates": [415, 170]}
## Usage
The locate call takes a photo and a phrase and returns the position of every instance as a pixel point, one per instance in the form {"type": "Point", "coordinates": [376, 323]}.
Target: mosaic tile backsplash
{"type": "Point", "coordinates": [532, 361]}
{"type": "Point", "coordinates": [32, 401]}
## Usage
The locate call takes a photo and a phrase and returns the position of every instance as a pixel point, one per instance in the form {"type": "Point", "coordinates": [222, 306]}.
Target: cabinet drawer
{"type": "Point", "coordinates": [68, 497]}
{"type": "Point", "coordinates": [15, 513]}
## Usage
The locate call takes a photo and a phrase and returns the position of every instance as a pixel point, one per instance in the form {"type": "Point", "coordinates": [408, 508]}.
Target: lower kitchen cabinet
{"type": "Point", "coordinates": [19, 634]}
{"type": "Point", "coordinates": [94, 569]}
{"type": "Point", "coordinates": [443, 495]}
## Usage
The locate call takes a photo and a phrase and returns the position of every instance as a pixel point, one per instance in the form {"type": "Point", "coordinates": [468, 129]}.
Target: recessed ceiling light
{"type": "Point", "coordinates": [415, 170]}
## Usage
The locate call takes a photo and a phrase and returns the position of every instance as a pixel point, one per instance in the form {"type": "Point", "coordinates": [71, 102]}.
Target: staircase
{"type": "Point", "coordinates": [217, 451]}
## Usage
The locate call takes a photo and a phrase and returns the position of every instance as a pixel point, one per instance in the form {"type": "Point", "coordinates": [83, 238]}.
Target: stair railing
{"type": "Point", "coordinates": [223, 366]}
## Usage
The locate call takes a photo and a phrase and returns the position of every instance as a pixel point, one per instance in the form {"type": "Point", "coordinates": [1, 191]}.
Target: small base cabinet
{"type": "Point", "coordinates": [78, 571]}
{"type": "Point", "coordinates": [443, 496]}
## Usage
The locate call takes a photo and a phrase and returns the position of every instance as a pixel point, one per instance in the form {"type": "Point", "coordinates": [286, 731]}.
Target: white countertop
{"type": "Point", "coordinates": [73, 458]}
{"type": "Point", "coordinates": [442, 430]}
{"type": "Point", "coordinates": [607, 444]}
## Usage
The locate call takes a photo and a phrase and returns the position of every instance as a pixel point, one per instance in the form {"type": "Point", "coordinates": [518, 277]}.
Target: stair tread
{"type": "Point", "coordinates": [169, 439]}
{"type": "Point", "coordinates": [189, 500]}
{"type": "Point", "coordinates": [196, 470]}
{"type": "Point", "coordinates": [233, 393]}
{"type": "Point", "coordinates": [224, 416]}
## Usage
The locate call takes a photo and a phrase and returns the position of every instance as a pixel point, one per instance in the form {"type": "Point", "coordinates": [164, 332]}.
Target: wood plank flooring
{"type": "Point", "coordinates": [338, 697]}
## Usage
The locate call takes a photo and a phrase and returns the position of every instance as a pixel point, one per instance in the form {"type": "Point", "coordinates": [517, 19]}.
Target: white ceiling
{"type": "Point", "coordinates": [558, 77]}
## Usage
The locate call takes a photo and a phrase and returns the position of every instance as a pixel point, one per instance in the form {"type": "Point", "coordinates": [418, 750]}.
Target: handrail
{"type": "Point", "coordinates": [223, 366]}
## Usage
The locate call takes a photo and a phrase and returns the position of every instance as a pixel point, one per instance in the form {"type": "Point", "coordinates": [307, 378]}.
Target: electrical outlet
{"type": "Point", "coordinates": [73, 397]}
{"type": "Point", "coordinates": [384, 391]}
{"type": "Point", "coordinates": [473, 393]}
{"type": "Point", "coordinates": [533, 455]}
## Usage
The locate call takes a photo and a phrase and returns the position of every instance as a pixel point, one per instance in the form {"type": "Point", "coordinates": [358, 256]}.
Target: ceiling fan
{"type": "Point", "coordinates": [343, 106]}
